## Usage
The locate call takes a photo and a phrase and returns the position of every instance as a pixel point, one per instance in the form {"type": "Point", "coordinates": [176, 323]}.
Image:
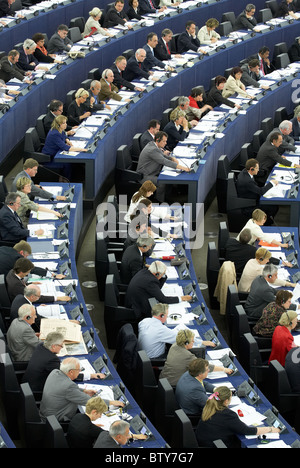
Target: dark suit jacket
{"type": "Point", "coordinates": [48, 119]}
{"type": "Point", "coordinates": [8, 258]}
{"type": "Point", "coordinates": [267, 157]}
{"type": "Point", "coordinates": [145, 7]}
{"type": "Point", "coordinates": [25, 60]}
{"type": "Point", "coordinates": [296, 129]}
{"type": "Point", "coordinates": [145, 138]}
{"type": "Point", "coordinates": [267, 69]}
{"type": "Point", "coordinates": [119, 79]}
{"type": "Point", "coordinates": [39, 367]}
{"type": "Point", "coordinates": [132, 262]}
{"type": "Point", "coordinates": [249, 78]}
{"type": "Point", "coordinates": [151, 61]}
{"type": "Point", "coordinates": [161, 51]}
{"type": "Point", "coordinates": [215, 98]}
{"type": "Point", "coordinates": [113, 18]}
{"type": "Point", "coordinates": [248, 188]}
{"type": "Point", "coordinates": [11, 229]}
{"type": "Point", "coordinates": [8, 71]}
{"type": "Point", "coordinates": [186, 42]}
{"type": "Point", "coordinates": [260, 295]}
{"type": "Point", "coordinates": [294, 52]}
{"type": "Point", "coordinates": [15, 287]}
{"type": "Point", "coordinates": [174, 135]}
{"type": "Point", "coordinates": [133, 71]}
{"type": "Point", "coordinates": [131, 13]}
{"type": "Point", "coordinates": [242, 22]}
{"type": "Point", "coordinates": [283, 9]}
{"type": "Point", "coordinates": [106, 441]}
{"type": "Point", "coordinates": [143, 286]}
{"type": "Point", "coordinates": [5, 9]}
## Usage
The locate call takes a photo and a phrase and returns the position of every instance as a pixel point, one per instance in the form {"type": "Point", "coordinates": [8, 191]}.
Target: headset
{"type": "Point", "coordinates": [290, 322]}
{"type": "Point", "coordinates": [157, 274]}
{"type": "Point", "coordinates": [262, 258]}
{"type": "Point", "coordinates": [186, 338]}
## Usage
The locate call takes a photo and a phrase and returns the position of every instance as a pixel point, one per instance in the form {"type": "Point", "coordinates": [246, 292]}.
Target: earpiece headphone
{"type": "Point", "coordinates": [186, 338]}
{"type": "Point", "coordinates": [28, 317]}
{"type": "Point", "coordinates": [157, 272]}
{"type": "Point", "coordinates": [270, 276]}
{"type": "Point", "coordinates": [262, 258]}
{"type": "Point", "coordinates": [290, 323]}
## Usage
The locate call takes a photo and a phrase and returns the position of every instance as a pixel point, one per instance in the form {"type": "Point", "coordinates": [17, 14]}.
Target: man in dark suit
{"type": "Point", "coordinates": [268, 156]}
{"type": "Point", "coordinates": [265, 66]}
{"type": "Point", "coordinates": [151, 60]}
{"type": "Point", "coordinates": [118, 68]}
{"type": "Point", "coordinates": [55, 108]}
{"type": "Point", "coordinates": [11, 227]}
{"type": "Point", "coordinates": [163, 49]}
{"type": "Point", "coordinates": [133, 259]}
{"type": "Point", "coordinates": [32, 293]}
{"type": "Point", "coordinates": [285, 129]}
{"type": "Point", "coordinates": [149, 134]}
{"type": "Point", "coordinates": [27, 60]}
{"type": "Point", "coordinates": [150, 6]}
{"type": "Point", "coordinates": [188, 39]}
{"type": "Point", "coordinates": [261, 292]}
{"type": "Point", "coordinates": [136, 69]}
{"type": "Point", "coordinates": [9, 68]}
{"type": "Point", "coordinates": [296, 126]}
{"type": "Point", "coordinates": [251, 74]}
{"type": "Point", "coordinates": [116, 15]}
{"type": "Point", "coordinates": [294, 51]}
{"type": "Point", "coordinates": [147, 284]}
{"type": "Point", "coordinates": [247, 187]}
{"type": "Point", "coordinates": [246, 19]}
{"type": "Point", "coordinates": [43, 361]}
{"type": "Point", "coordinates": [117, 436]}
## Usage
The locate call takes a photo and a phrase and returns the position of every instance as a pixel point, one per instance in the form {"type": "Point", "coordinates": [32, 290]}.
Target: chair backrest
{"type": "Point", "coordinates": [267, 126]}
{"type": "Point", "coordinates": [74, 34]}
{"type": "Point", "coordinates": [212, 272]}
{"type": "Point", "coordinates": [264, 15]}
{"type": "Point", "coordinates": [229, 16]}
{"type": "Point", "coordinates": [128, 53]}
{"type": "Point", "coordinates": [249, 355]}
{"type": "Point", "coordinates": [113, 268]}
{"type": "Point", "coordinates": [86, 83]}
{"type": "Point", "coordinates": [124, 159]}
{"type": "Point", "coordinates": [40, 127]}
{"type": "Point", "coordinates": [245, 154]}
{"type": "Point", "coordinates": [165, 117]}
{"type": "Point", "coordinates": [165, 407]}
{"type": "Point", "coordinates": [280, 48]}
{"type": "Point", "coordinates": [282, 60]}
{"type": "Point", "coordinates": [78, 22]}
{"type": "Point", "coordinates": [54, 434]}
{"type": "Point", "coordinates": [222, 238]}
{"type": "Point", "coordinates": [146, 384]}
{"type": "Point", "coordinates": [11, 394]}
{"type": "Point", "coordinates": [174, 102]}
{"type": "Point", "coordinates": [183, 432]}
{"type": "Point", "coordinates": [3, 189]}
{"type": "Point", "coordinates": [32, 427]}
{"type": "Point", "coordinates": [257, 141]}
{"type": "Point", "coordinates": [136, 146]}
{"type": "Point", "coordinates": [32, 141]}
{"type": "Point", "coordinates": [273, 5]}
{"type": "Point", "coordinates": [94, 74]}
{"type": "Point", "coordinates": [111, 291]}
{"type": "Point", "coordinates": [280, 115]}
{"type": "Point", "coordinates": [4, 298]}
{"type": "Point", "coordinates": [240, 326]}
{"type": "Point", "coordinates": [225, 28]}
{"type": "Point", "coordinates": [279, 388]}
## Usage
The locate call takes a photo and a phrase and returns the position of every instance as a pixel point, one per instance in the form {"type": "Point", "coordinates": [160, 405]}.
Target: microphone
{"type": "Point", "coordinates": [55, 173]}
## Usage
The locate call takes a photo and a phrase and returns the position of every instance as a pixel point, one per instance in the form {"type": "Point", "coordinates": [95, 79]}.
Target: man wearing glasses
{"type": "Point", "coordinates": [61, 396]}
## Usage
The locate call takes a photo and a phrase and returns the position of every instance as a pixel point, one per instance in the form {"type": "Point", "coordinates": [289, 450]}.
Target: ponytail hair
{"type": "Point", "coordinates": [215, 402]}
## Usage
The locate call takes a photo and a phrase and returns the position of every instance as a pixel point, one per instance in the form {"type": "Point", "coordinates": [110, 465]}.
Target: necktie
{"type": "Point", "coordinates": [168, 49]}
{"type": "Point", "coordinates": [262, 67]}
{"type": "Point", "coordinates": [140, 64]}
{"type": "Point", "coordinates": [151, 4]}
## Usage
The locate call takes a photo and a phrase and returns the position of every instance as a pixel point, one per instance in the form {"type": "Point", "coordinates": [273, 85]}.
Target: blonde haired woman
{"type": "Point", "coordinates": [92, 26]}
{"type": "Point", "coordinates": [207, 34]}
{"type": "Point", "coordinates": [220, 422]}
{"type": "Point", "coordinates": [258, 219]}
{"type": "Point", "coordinates": [80, 109]}
{"type": "Point", "coordinates": [23, 189]}
{"type": "Point", "coordinates": [254, 268]}
{"type": "Point", "coordinates": [57, 140]}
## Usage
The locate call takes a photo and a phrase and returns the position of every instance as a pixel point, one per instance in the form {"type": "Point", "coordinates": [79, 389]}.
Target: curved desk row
{"type": "Point", "coordinates": [76, 309]}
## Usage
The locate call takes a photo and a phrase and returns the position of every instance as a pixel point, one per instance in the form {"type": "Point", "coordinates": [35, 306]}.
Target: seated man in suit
{"type": "Point", "coordinates": [21, 337]}
{"type": "Point", "coordinates": [265, 65]}
{"type": "Point", "coordinates": [251, 76]}
{"type": "Point", "coordinates": [261, 292]}
{"type": "Point", "coordinates": [268, 156]}
{"type": "Point", "coordinates": [296, 125]}
{"type": "Point", "coordinates": [294, 51]}
{"type": "Point", "coordinates": [136, 68]}
{"type": "Point", "coordinates": [116, 15]}
{"type": "Point", "coordinates": [246, 19]}
{"type": "Point", "coordinates": [9, 68]}
{"type": "Point", "coordinates": [108, 89]}
{"type": "Point", "coordinates": [15, 281]}
{"type": "Point", "coordinates": [151, 161]}
{"type": "Point", "coordinates": [150, 6]}
{"type": "Point", "coordinates": [30, 169]}
{"type": "Point", "coordinates": [118, 435]}
{"type": "Point", "coordinates": [285, 129]}
{"type": "Point", "coordinates": [118, 68]}
{"type": "Point", "coordinates": [188, 40]}
{"type": "Point", "coordinates": [11, 227]}
{"type": "Point", "coordinates": [95, 88]}
{"type": "Point", "coordinates": [32, 293]}
{"type": "Point", "coordinates": [151, 60]}
{"type": "Point", "coordinates": [27, 61]}
{"type": "Point", "coordinates": [59, 43]}
{"type": "Point", "coordinates": [163, 49]}
{"type": "Point", "coordinates": [146, 284]}
{"type": "Point", "coordinates": [247, 187]}
{"type": "Point", "coordinates": [149, 134]}
{"type": "Point", "coordinates": [55, 108]}
{"type": "Point", "coordinates": [134, 258]}
{"type": "Point", "coordinates": [191, 389]}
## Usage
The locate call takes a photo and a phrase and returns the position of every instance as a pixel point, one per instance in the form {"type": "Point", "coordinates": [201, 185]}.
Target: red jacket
{"type": "Point", "coordinates": [282, 343]}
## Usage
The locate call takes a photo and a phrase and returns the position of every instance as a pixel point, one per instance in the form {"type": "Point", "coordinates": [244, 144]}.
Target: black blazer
{"type": "Point", "coordinates": [242, 22]}
{"type": "Point", "coordinates": [174, 135]}
{"type": "Point", "coordinates": [267, 157]}
{"type": "Point", "coordinates": [15, 286]}
{"type": "Point", "coordinates": [247, 187]}
{"type": "Point", "coordinates": [133, 71]}
{"type": "Point", "coordinates": [132, 262]}
{"type": "Point", "coordinates": [215, 98]}
{"type": "Point", "coordinates": [41, 363]}
{"type": "Point", "coordinates": [119, 79]}
{"type": "Point", "coordinates": [25, 60]}
{"type": "Point", "coordinates": [186, 42]}
{"type": "Point", "coordinates": [161, 51]}
{"type": "Point", "coordinates": [8, 258]}
{"type": "Point", "coordinates": [294, 52]}
{"type": "Point", "coordinates": [296, 129]}
{"type": "Point", "coordinates": [132, 14]}
{"type": "Point", "coordinates": [113, 18]}
{"type": "Point", "coordinates": [143, 286]}
{"type": "Point", "coordinates": [8, 71]}
{"type": "Point", "coordinates": [11, 227]}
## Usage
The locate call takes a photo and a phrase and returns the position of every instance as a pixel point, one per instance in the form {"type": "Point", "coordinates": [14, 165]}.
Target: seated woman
{"type": "Point", "coordinates": [219, 422]}
{"type": "Point", "coordinates": [92, 26]}
{"type": "Point", "coordinates": [258, 219]}
{"type": "Point", "coordinates": [254, 268]}
{"type": "Point", "coordinates": [177, 129]}
{"type": "Point", "coordinates": [41, 53]}
{"type": "Point", "coordinates": [23, 189]}
{"type": "Point", "coordinates": [207, 34]}
{"type": "Point", "coordinates": [271, 314]}
{"type": "Point", "coordinates": [195, 109]}
{"type": "Point", "coordinates": [234, 85]}
{"type": "Point", "coordinates": [133, 11]}
{"type": "Point", "coordinates": [79, 110]}
{"type": "Point", "coordinates": [180, 355]}
{"type": "Point", "coordinates": [57, 140]}
{"type": "Point", "coordinates": [282, 339]}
